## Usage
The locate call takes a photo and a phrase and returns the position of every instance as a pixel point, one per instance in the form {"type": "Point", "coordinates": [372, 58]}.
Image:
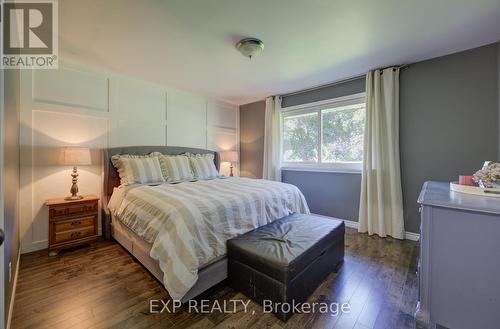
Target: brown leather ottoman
{"type": "Point", "coordinates": [285, 261]}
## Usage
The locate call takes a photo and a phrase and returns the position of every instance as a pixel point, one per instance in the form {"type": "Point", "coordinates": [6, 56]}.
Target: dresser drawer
{"type": "Point", "coordinates": [73, 234]}
{"type": "Point", "coordinates": [71, 210]}
{"type": "Point", "coordinates": [72, 224]}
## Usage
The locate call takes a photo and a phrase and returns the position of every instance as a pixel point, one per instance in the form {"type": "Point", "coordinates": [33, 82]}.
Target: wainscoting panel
{"type": "Point", "coordinates": [223, 131]}
{"type": "Point", "coordinates": [138, 111]}
{"type": "Point", "coordinates": [186, 119]}
{"type": "Point", "coordinates": [70, 87]}
{"type": "Point", "coordinates": [222, 139]}
{"type": "Point", "coordinates": [125, 132]}
{"type": "Point", "coordinates": [51, 179]}
{"type": "Point", "coordinates": [222, 115]}
{"type": "Point", "coordinates": [137, 100]}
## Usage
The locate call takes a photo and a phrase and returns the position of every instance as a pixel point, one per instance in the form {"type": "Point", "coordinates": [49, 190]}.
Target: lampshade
{"type": "Point", "coordinates": [229, 156]}
{"type": "Point", "coordinates": [75, 156]}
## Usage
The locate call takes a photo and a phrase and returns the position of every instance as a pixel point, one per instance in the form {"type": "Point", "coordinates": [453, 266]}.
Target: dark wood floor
{"type": "Point", "coordinates": [102, 287]}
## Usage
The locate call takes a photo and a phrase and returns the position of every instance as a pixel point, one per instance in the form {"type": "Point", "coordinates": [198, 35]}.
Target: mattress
{"type": "Point", "coordinates": [185, 226]}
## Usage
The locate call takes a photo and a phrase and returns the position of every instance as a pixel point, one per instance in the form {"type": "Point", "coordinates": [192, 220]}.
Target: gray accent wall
{"type": "Point", "coordinates": [449, 119]}
{"type": "Point", "coordinates": [252, 118]}
{"type": "Point", "coordinates": [328, 193]}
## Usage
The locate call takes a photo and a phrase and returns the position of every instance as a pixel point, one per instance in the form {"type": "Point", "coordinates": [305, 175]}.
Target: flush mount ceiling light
{"type": "Point", "coordinates": [250, 47]}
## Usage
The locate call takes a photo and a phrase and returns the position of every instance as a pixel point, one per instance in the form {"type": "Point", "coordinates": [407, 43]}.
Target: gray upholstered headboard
{"type": "Point", "coordinates": [110, 174]}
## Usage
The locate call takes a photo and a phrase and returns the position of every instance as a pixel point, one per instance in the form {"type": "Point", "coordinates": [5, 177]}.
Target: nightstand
{"type": "Point", "coordinates": [72, 222]}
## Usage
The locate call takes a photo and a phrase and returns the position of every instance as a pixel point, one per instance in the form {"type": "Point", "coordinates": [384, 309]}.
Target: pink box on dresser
{"type": "Point", "coordinates": [466, 180]}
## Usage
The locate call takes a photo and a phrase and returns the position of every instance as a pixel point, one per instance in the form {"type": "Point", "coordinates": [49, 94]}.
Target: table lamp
{"type": "Point", "coordinates": [229, 156]}
{"type": "Point", "coordinates": [75, 156]}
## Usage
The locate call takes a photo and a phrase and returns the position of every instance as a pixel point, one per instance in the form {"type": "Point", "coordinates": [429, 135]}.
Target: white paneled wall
{"type": "Point", "coordinates": [71, 87]}
{"type": "Point", "coordinates": [138, 110]}
{"type": "Point", "coordinates": [84, 106]}
{"type": "Point", "coordinates": [222, 129]}
{"type": "Point", "coordinates": [186, 127]}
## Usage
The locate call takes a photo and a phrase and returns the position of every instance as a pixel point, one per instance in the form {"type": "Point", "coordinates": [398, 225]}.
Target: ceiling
{"type": "Point", "coordinates": [189, 44]}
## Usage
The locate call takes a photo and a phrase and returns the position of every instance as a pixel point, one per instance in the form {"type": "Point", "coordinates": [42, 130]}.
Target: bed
{"type": "Point", "coordinates": [178, 231]}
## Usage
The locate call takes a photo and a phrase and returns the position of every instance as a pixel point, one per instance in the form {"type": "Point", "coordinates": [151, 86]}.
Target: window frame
{"type": "Point", "coordinates": [318, 107]}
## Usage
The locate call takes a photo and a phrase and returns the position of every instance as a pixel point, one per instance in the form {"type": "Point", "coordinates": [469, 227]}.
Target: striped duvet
{"type": "Point", "coordinates": [189, 223]}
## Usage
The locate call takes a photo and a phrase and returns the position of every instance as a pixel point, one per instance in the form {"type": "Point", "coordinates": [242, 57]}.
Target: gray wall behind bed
{"type": "Point", "coordinates": [252, 139]}
{"type": "Point", "coordinates": [449, 119]}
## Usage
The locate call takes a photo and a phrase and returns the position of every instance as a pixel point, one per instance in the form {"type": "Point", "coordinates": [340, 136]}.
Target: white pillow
{"type": "Point", "coordinates": [175, 168]}
{"type": "Point", "coordinates": [138, 169]}
{"type": "Point", "coordinates": [203, 166]}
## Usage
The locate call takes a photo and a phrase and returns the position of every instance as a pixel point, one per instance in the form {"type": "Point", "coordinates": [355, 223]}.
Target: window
{"type": "Point", "coordinates": [325, 135]}
{"type": "Point", "coordinates": [300, 138]}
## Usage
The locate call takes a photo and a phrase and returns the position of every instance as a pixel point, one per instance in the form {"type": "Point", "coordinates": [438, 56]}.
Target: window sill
{"type": "Point", "coordinates": [323, 169]}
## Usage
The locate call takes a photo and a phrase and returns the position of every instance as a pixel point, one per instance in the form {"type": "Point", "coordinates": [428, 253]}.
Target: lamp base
{"type": "Point", "coordinates": [73, 197]}
{"type": "Point", "coordinates": [74, 187]}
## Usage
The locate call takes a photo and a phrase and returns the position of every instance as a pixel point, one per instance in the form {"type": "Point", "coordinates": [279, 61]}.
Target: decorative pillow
{"type": "Point", "coordinates": [142, 169]}
{"type": "Point", "coordinates": [175, 168]}
{"type": "Point", "coordinates": [203, 166]}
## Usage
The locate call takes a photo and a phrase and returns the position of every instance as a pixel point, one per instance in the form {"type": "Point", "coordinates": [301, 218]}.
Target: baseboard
{"type": "Point", "coordinates": [408, 235]}
{"type": "Point", "coordinates": [34, 246]}
{"type": "Point", "coordinates": [412, 236]}
{"type": "Point", "coordinates": [13, 295]}
{"type": "Point", "coordinates": [351, 224]}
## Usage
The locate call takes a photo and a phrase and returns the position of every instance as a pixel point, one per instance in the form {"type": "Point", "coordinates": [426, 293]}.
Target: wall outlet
{"type": "Point", "coordinates": [10, 271]}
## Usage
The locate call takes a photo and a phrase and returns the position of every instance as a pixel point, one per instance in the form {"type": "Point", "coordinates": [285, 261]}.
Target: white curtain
{"type": "Point", "coordinates": [271, 166]}
{"type": "Point", "coordinates": [381, 202]}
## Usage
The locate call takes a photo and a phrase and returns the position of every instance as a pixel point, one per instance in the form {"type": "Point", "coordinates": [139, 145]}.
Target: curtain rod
{"type": "Point", "coordinates": [401, 67]}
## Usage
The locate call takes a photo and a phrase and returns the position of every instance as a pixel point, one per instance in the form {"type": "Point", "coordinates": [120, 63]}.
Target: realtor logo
{"type": "Point", "coordinates": [29, 35]}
